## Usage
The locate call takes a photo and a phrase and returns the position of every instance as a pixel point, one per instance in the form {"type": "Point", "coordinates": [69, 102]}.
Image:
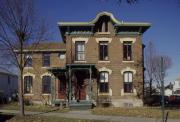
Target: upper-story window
{"type": "Point", "coordinates": [127, 51]}
{"type": "Point", "coordinates": [80, 50]}
{"type": "Point", "coordinates": [128, 82]}
{"type": "Point", "coordinates": [102, 24]}
{"type": "Point", "coordinates": [28, 83]}
{"type": "Point", "coordinates": [28, 60]}
{"type": "Point", "coordinates": [46, 59]}
{"type": "Point", "coordinates": [104, 86]}
{"type": "Point", "coordinates": [103, 51]}
{"type": "Point", "coordinates": [46, 84]}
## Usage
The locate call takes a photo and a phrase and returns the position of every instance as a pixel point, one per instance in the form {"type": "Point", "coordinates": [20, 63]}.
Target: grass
{"type": "Point", "coordinates": [13, 118]}
{"type": "Point", "coordinates": [149, 112]}
{"type": "Point", "coordinates": [35, 108]}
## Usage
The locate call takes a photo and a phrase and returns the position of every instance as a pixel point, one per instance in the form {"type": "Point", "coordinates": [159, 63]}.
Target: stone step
{"type": "Point", "coordinates": [81, 105]}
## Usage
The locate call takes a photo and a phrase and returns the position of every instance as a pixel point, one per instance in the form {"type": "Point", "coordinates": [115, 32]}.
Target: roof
{"type": "Point", "coordinates": [7, 72]}
{"type": "Point", "coordinates": [46, 46]}
{"type": "Point", "coordinates": [116, 21]}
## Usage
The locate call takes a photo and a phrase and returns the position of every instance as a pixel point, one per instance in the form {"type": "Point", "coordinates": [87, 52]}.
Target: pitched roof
{"type": "Point", "coordinates": [46, 46]}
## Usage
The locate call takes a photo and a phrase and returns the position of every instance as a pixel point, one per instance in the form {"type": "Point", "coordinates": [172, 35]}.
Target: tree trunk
{"type": "Point", "coordinates": [21, 97]}
{"type": "Point", "coordinates": [21, 93]}
{"type": "Point", "coordinates": [150, 87]}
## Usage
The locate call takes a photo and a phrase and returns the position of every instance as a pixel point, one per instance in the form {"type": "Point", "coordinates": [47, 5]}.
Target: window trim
{"type": "Point", "coordinates": [128, 83]}
{"type": "Point", "coordinates": [122, 40]}
{"type": "Point", "coordinates": [104, 91]}
{"type": "Point", "coordinates": [127, 44]}
{"type": "Point", "coordinates": [26, 60]}
{"type": "Point", "coordinates": [109, 40]}
{"type": "Point", "coordinates": [44, 59]}
{"type": "Point", "coordinates": [31, 86]}
{"type": "Point", "coordinates": [43, 91]}
{"type": "Point", "coordinates": [74, 40]}
{"type": "Point", "coordinates": [103, 59]}
{"type": "Point", "coordinates": [82, 52]}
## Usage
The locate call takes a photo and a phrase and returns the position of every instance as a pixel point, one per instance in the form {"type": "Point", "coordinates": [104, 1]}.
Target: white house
{"type": "Point", "coordinates": [176, 85]}
{"type": "Point", "coordinates": [8, 84]}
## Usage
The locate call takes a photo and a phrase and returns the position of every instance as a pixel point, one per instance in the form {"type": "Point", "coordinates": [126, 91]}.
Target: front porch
{"type": "Point", "coordinates": [78, 85]}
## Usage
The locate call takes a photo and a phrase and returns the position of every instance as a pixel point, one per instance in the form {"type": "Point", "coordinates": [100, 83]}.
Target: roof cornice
{"type": "Point", "coordinates": [92, 23]}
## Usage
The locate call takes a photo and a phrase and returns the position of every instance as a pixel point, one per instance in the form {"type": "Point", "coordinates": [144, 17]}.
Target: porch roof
{"type": "Point", "coordinates": [80, 66]}
{"type": "Point", "coordinates": [58, 70]}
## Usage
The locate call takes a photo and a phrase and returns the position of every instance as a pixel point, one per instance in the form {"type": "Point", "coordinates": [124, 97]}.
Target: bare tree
{"type": "Point", "coordinates": [153, 66]}
{"type": "Point", "coordinates": [19, 27]}
{"type": "Point", "coordinates": [160, 70]}
{"type": "Point", "coordinates": [150, 54]}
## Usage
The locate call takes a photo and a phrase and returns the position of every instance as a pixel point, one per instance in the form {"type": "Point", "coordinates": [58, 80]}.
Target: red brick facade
{"type": "Point", "coordinates": [104, 28]}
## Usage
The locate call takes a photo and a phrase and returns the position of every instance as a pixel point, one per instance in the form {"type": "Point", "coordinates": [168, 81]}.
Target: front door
{"type": "Point", "coordinates": [80, 87]}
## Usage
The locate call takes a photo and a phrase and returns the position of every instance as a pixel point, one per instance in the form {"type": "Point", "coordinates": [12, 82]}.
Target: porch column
{"type": "Point", "coordinates": [70, 90]}
{"type": "Point", "coordinates": [52, 88]}
{"type": "Point", "coordinates": [90, 83]}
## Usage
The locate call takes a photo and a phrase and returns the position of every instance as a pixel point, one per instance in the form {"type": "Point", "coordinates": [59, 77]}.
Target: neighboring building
{"type": "Point", "coordinates": [8, 84]}
{"type": "Point", "coordinates": [176, 85]}
{"type": "Point", "coordinates": [99, 61]}
{"type": "Point", "coordinates": [168, 90]}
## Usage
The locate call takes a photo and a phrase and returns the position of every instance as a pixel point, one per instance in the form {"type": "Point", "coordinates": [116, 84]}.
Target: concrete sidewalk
{"type": "Point", "coordinates": [88, 115]}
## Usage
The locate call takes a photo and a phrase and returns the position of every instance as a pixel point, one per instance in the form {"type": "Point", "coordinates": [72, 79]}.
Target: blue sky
{"type": "Point", "coordinates": [163, 14]}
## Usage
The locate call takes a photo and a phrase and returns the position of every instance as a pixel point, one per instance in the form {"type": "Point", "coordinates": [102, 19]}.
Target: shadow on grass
{"type": "Point", "coordinates": [4, 117]}
{"type": "Point", "coordinates": [40, 113]}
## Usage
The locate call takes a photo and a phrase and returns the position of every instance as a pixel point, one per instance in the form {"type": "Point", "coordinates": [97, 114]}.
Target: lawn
{"type": "Point", "coordinates": [16, 118]}
{"type": "Point", "coordinates": [149, 112]}
{"type": "Point", "coordinates": [36, 108]}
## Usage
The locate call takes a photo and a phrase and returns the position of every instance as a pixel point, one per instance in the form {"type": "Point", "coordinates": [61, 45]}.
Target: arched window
{"type": "Point", "coordinates": [128, 82]}
{"type": "Point", "coordinates": [46, 84]}
{"type": "Point", "coordinates": [104, 86]}
{"type": "Point", "coordinates": [28, 83]}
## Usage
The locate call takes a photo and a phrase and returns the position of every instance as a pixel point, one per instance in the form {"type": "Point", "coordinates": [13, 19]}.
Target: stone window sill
{"type": "Point", "coordinates": [28, 67]}
{"type": "Point", "coordinates": [128, 94]}
{"type": "Point", "coordinates": [28, 94]}
{"type": "Point", "coordinates": [45, 67]}
{"type": "Point", "coordinates": [79, 61]}
{"type": "Point", "coordinates": [128, 61]}
{"type": "Point", "coordinates": [103, 93]}
{"type": "Point", "coordinates": [46, 94]}
{"type": "Point", "coordinates": [103, 33]}
{"type": "Point", "coordinates": [103, 61]}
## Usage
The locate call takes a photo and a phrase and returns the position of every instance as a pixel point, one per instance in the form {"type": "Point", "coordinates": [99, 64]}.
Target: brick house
{"type": "Point", "coordinates": [98, 62]}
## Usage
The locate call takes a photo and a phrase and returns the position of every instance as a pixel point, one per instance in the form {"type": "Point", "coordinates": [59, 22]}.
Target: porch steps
{"type": "Point", "coordinates": [81, 105]}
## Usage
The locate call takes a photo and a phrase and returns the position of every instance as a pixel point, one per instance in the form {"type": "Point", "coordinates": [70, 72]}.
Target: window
{"type": "Point", "coordinates": [128, 78]}
{"type": "Point", "coordinates": [80, 51]}
{"type": "Point", "coordinates": [127, 51]}
{"type": "Point", "coordinates": [104, 87]}
{"type": "Point", "coordinates": [46, 60]}
{"type": "Point", "coordinates": [103, 51]}
{"type": "Point", "coordinates": [46, 84]}
{"type": "Point", "coordinates": [106, 26]}
{"type": "Point", "coordinates": [28, 83]}
{"type": "Point", "coordinates": [28, 60]}
{"type": "Point", "coordinates": [61, 55]}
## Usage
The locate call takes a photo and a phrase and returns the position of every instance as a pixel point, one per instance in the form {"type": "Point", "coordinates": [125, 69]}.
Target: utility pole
{"type": "Point", "coordinates": [162, 88]}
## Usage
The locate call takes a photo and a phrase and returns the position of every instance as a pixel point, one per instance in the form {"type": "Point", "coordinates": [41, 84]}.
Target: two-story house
{"type": "Point", "coordinates": [100, 61]}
